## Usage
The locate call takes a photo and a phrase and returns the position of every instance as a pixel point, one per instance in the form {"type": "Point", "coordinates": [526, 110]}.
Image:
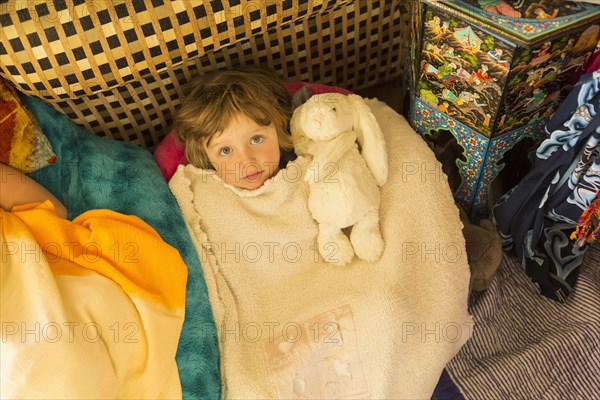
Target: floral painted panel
{"type": "Point", "coordinates": [463, 70]}
{"type": "Point", "coordinates": [541, 78]}
{"type": "Point", "coordinates": [529, 20]}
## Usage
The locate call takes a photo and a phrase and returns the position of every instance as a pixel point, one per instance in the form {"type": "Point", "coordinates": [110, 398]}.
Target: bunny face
{"type": "Point", "coordinates": [325, 116]}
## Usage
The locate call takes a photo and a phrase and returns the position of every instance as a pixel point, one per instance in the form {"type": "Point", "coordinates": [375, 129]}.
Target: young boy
{"type": "Point", "coordinates": [236, 122]}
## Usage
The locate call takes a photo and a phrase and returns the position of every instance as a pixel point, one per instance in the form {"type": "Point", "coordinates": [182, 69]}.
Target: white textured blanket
{"type": "Point", "coordinates": [291, 325]}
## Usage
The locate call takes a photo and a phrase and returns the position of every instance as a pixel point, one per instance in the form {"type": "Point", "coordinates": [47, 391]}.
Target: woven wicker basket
{"type": "Point", "coordinates": [117, 67]}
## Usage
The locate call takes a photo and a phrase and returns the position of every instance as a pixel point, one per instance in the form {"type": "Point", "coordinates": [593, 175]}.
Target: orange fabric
{"type": "Point", "coordinates": [105, 271]}
{"type": "Point", "coordinates": [120, 247]}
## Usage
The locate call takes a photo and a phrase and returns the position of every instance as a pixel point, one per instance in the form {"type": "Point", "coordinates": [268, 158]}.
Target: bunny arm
{"type": "Point", "coordinates": [302, 144]}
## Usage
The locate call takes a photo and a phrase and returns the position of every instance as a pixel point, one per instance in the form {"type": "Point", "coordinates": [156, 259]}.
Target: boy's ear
{"type": "Point", "coordinates": [300, 97]}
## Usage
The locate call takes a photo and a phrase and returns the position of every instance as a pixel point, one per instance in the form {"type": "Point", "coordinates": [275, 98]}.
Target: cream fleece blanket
{"type": "Point", "coordinates": [291, 325]}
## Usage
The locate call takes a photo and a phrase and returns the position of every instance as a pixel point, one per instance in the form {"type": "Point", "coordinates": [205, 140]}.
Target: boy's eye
{"type": "Point", "coordinates": [225, 151]}
{"type": "Point", "coordinates": [256, 139]}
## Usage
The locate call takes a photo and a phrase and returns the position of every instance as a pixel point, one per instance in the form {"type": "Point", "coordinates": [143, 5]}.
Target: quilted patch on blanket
{"type": "Point", "coordinates": [291, 325]}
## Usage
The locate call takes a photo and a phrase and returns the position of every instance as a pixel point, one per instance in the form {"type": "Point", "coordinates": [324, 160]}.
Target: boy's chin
{"type": "Point", "coordinates": [251, 183]}
{"type": "Point", "coordinates": [250, 186]}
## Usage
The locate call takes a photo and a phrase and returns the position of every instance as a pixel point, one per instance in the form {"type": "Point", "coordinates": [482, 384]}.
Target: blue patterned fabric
{"type": "Point", "coordinates": [537, 216]}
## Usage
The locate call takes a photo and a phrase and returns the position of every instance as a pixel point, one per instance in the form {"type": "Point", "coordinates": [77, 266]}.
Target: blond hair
{"type": "Point", "coordinates": [211, 101]}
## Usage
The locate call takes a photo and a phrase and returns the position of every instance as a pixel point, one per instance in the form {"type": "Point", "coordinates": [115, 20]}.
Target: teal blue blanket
{"type": "Point", "coordinates": [92, 173]}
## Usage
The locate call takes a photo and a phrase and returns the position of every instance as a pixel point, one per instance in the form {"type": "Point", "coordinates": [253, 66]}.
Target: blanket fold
{"type": "Point", "coordinates": [91, 308]}
{"type": "Point", "coordinates": [293, 326]}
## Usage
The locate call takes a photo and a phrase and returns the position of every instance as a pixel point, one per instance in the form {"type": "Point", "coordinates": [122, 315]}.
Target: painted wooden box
{"type": "Point", "coordinates": [491, 73]}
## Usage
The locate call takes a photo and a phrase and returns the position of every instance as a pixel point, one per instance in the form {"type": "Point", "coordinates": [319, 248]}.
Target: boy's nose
{"type": "Point", "coordinates": [246, 156]}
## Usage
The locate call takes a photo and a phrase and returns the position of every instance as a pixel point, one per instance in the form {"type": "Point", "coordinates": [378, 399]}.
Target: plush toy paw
{"type": "Point", "coordinates": [366, 238]}
{"type": "Point", "coordinates": [369, 247]}
{"type": "Point", "coordinates": [336, 248]}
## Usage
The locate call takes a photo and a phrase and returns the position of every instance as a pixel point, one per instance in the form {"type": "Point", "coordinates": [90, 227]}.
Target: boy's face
{"type": "Point", "coordinates": [245, 154]}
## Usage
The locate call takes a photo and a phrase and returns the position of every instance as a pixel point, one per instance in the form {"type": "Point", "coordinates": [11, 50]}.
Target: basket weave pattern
{"type": "Point", "coordinates": [117, 67]}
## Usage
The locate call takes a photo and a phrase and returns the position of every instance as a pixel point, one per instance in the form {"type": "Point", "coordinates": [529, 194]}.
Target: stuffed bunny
{"type": "Point", "coordinates": [344, 183]}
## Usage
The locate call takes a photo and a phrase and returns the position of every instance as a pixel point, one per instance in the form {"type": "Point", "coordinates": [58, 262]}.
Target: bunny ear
{"type": "Point", "coordinates": [371, 139]}
{"type": "Point", "coordinates": [299, 138]}
{"type": "Point", "coordinates": [300, 97]}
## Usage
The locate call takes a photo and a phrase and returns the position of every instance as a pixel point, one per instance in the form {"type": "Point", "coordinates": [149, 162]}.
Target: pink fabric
{"type": "Point", "coordinates": [594, 65]}
{"type": "Point", "coordinates": [169, 153]}
{"type": "Point", "coordinates": [315, 88]}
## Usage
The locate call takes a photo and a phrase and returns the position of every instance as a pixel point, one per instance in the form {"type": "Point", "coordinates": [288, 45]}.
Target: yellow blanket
{"type": "Point", "coordinates": [91, 308]}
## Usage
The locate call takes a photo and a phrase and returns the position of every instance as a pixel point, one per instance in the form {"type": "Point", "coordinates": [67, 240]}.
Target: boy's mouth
{"type": "Point", "coordinates": [253, 177]}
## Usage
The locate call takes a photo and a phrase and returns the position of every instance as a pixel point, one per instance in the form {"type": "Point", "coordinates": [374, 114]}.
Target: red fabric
{"type": "Point", "coordinates": [594, 64]}
{"type": "Point", "coordinates": [169, 153]}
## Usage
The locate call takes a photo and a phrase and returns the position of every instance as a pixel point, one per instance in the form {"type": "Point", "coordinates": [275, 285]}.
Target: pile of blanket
{"type": "Point", "coordinates": [291, 325]}
{"type": "Point", "coordinates": [90, 308]}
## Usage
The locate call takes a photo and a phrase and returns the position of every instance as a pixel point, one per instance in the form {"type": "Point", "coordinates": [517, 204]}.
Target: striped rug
{"type": "Point", "coordinates": [526, 346]}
